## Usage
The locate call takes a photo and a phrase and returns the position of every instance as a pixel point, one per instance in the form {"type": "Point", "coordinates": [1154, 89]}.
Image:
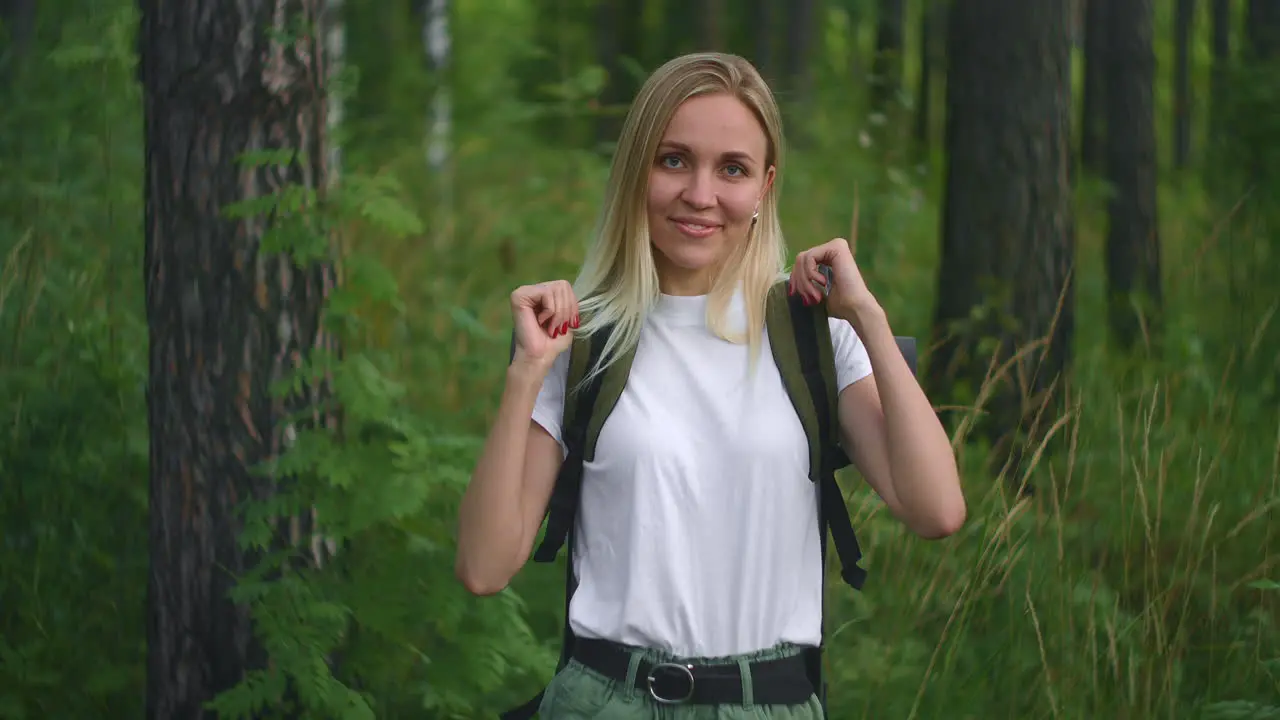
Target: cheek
{"type": "Point", "coordinates": [662, 192]}
{"type": "Point", "coordinates": [739, 205]}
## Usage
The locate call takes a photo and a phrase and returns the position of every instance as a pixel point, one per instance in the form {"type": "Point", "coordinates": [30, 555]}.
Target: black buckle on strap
{"type": "Point", "coordinates": [671, 683]}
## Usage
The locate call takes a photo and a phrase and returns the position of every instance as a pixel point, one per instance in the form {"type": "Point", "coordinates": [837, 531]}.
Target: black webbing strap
{"type": "Point", "coordinates": [833, 513]}
{"type": "Point", "coordinates": [563, 505]}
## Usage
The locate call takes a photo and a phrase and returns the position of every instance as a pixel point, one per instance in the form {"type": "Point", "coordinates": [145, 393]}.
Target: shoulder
{"type": "Point", "coordinates": [548, 408]}
{"type": "Point", "coordinates": [852, 361]}
{"type": "Point", "coordinates": [841, 330]}
{"type": "Point", "coordinates": [843, 336]}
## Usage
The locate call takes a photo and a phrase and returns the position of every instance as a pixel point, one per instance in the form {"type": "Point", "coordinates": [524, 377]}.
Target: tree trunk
{"type": "Point", "coordinates": [1220, 27]}
{"type": "Point", "coordinates": [1008, 235]}
{"type": "Point", "coordinates": [437, 45]}
{"type": "Point", "coordinates": [1182, 29]}
{"type": "Point", "coordinates": [618, 37]}
{"type": "Point", "coordinates": [711, 18]}
{"type": "Point", "coordinates": [886, 121]}
{"type": "Point", "coordinates": [227, 318]}
{"type": "Point", "coordinates": [335, 48]}
{"type": "Point", "coordinates": [680, 27]}
{"type": "Point", "coordinates": [931, 59]}
{"type": "Point", "coordinates": [886, 65]}
{"type": "Point", "coordinates": [763, 20]}
{"type": "Point", "coordinates": [1263, 29]}
{"type": "Point", "coordinates": [18, 22]}
{"type": "Point", "coordinates": [1133, 244]}
{"type": "Point", "coordinates": [1096, 71]}
{"type": "Point", "coordinates": [801, 28]}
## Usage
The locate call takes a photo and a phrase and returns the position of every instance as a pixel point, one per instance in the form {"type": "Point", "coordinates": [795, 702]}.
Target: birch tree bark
{"type": "Point", "coordinates": [437, 43]}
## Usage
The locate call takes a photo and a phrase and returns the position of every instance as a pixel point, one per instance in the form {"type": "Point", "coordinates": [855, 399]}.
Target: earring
{"type": "Point", "coordinates": [755, 216]}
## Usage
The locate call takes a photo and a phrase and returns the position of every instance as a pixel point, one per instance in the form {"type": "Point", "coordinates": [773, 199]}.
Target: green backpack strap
{"type": "Point", "coordinates": [801, 343]}
{"type": "Point", "coordinates": [586, 407]}
{"type": "Point", "coordinates": [800, 338]}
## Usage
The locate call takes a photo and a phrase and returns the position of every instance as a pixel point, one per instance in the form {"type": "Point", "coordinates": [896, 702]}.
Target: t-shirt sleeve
{"type": "Point", "coordinates": [548, 409]}
{"type": "Point", "coordinates": [852, 361]}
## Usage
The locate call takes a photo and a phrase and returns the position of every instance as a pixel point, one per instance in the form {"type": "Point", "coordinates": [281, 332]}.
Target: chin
{"type": "Point", "coordinates": [690, 259]}
{"type": "Point", "coordinates": [691, 255]}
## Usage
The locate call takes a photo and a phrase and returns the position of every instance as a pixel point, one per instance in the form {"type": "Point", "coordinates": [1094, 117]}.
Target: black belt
{"type": "Point", "coordinates": [773, 682]}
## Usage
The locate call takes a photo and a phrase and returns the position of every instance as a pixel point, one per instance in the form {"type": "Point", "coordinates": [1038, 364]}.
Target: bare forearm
{"type": "Point", "coordinates": [922, 464]}
{"type": "Point", "coordinates": [491, 528]}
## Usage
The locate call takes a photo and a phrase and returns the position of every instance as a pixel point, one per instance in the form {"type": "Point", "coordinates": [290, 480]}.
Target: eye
{"type": "Point", "coordinates": [671, 162]}
{"type": "Point", "coordinates": [740, 171]}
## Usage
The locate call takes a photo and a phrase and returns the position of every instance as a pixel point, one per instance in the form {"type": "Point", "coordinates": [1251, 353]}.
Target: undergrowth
{"type": "Point", "coordinates": [1139, 581]}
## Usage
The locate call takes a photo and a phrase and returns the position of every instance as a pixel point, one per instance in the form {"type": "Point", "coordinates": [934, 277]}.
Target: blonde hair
{"type": "Point", "coordinates": [618, 283]}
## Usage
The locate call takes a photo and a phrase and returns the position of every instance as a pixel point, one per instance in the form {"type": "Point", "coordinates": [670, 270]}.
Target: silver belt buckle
{"type": "Point", "coordinates": [683, 670]}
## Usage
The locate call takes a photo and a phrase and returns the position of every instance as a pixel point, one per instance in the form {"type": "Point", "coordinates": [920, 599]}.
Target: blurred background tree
{"type": "Point", "coordinates": [1072, 203]}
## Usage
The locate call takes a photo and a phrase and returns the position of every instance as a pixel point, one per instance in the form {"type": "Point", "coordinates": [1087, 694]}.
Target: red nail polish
{"type": "Point", "coordinates": [575, 322]}
{"type": "Point", "coordinates": [564, 328]}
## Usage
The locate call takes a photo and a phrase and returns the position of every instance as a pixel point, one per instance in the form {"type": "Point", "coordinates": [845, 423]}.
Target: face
{"type": "Point", "coordinates": [708, 179]}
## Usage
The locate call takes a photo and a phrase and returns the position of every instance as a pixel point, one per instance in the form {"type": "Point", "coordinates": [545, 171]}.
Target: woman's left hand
{"type": "Point", "coordinates": [848, 294]}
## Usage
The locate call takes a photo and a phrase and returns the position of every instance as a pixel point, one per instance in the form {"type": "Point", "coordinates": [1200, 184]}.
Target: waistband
{"type": "Point", "coordinates": [779, 680]}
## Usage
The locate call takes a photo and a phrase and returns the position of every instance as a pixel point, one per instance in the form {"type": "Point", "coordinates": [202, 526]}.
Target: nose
{"type": "Point", "coordinates": [700, 192]}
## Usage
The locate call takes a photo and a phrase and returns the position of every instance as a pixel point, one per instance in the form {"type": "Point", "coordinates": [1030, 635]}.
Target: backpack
{"type": "Point", "coordinates": [807, 366]}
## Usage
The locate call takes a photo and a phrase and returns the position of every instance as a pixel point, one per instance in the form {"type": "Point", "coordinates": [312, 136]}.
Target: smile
{"type": "Point", "coordinates": [696, 230]}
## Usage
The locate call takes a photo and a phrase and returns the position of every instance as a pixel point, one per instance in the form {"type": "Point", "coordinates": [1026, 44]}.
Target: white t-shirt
{"type": "Point", "coordinates": [697, 532]}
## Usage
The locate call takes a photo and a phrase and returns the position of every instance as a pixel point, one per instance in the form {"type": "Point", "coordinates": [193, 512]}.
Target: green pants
{"type": "Point", "coordinates": [578, 692]}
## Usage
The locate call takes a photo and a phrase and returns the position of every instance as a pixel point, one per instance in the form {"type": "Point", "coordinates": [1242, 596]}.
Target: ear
{"type": "Point", "coordinates": [768, 183]}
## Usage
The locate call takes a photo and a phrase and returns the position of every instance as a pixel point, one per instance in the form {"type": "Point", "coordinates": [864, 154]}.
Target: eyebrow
{"type": "Point", "coordinates": [734, 155]}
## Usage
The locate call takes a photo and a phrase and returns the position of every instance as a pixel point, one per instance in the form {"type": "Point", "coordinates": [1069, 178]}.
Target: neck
{"type": "Point", "coordinates": [684, 282]}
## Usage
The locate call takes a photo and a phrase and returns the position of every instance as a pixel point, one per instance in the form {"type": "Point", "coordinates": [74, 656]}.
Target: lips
{"type": "Point", "coordinates": [695, 228]}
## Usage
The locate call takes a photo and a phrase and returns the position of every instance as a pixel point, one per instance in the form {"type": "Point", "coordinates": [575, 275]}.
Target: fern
{"type": "Point", "coordinates": [377, 617]}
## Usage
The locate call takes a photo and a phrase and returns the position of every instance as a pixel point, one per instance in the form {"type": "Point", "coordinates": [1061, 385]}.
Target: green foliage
{"type": "Point", "coordinates": [386, 603]}
{"type": "Point", "coordinates": [1138, 583]}
{"type": "Point", "coordinates": [73, 443]}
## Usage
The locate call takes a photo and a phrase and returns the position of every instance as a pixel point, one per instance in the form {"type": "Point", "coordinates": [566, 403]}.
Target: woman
{"type": "Point", "coordinates": [696, 536]}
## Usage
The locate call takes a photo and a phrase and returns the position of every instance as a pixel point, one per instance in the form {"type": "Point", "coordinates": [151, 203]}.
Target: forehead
{"type": "Point", "coordinates": [717, 123]}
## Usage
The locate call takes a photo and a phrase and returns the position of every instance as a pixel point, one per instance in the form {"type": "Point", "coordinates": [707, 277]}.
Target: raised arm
{"type": "Point", "coordinates": [897, 441]}
{"type": "Point", "coordinates": [507, 497]}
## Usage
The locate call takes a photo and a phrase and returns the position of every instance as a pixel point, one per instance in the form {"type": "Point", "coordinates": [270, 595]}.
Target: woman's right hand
{"type": "Point", "coordinates": [545, 317]}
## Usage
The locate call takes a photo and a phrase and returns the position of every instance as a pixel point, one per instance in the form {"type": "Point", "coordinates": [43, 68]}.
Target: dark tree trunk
{"type": "Point", "coordinates": [801, 29]}
{"type": "Point", "coordinates": [618, 37]}
{"type": "Point", "coordinates": [1263, 29]}
{"type": "Point", "coordinates": [1008, 235]}
{"type": "Point", "coordinates": [227, 319]}
{"type": "Point", "coordinates": [1182, 29]}
{"type": "Point", "coordinates": [18, 22]}
{"type": "Point", "coordinates": [763, 20]}
{"type": "Point", "coordinates": [1261, 56]}
{"type": "Point", "coordinates": [931, 58]}
{"type": "Point", "coordinates": [1096, 70]}
{"type": "Point", "coordinates": [887, 120]}
{"type": "Point", "coordinates": [680, 27]}
{"type": "Point", "coordinates": [1220, 27]}
{"type": "Point", "coordinates": [1133, 243]}
{"type": "Point", "coordinates": [712, 22]}
{"type": "Point", "coordinates": [886, 65]}
{"type": "Point", "coordinates": [533, 73]}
